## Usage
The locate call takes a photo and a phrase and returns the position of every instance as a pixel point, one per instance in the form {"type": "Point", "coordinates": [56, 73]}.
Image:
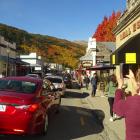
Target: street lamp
{"type": "Point", "coordinates": [8, 51]}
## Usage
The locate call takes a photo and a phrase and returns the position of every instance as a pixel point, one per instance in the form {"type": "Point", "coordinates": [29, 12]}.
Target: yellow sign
{"type": "Point", "coordinates": [113, 59]}
{"type": "Point", "coordinates": [130, 58]}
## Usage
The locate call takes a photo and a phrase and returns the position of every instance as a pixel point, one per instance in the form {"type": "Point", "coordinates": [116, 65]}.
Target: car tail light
{"type": "Point", "coordinates": [18, 130]}
{"type": "Point", "coordinates": [61, 85]}
{"type": "Point", "coordinates": [31, 108]}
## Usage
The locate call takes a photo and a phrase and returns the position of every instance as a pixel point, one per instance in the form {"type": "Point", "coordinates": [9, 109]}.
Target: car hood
{"type": "Point", "coordinates": [15, 98]}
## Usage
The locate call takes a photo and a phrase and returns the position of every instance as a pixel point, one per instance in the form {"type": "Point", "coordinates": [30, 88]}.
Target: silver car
{"type": "Point", "coordinates": [58, 83]}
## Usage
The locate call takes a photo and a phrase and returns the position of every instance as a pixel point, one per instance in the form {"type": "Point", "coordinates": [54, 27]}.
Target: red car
{"type": "Point", "coordinates": [25, 104]}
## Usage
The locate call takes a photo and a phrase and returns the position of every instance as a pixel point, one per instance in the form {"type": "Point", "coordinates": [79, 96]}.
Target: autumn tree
{"type": "Point", "coordinates": [51, 49]}
{"type": "Point", "coordinates": [64, 56]}
{"type": "Point", "coordinates": [104, 30]}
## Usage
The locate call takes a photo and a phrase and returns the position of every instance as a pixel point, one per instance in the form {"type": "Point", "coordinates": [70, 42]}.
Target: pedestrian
{"type": "Point", "coordinates": [94, 81]}
{"type": "Point", "coordinates": [112, 86]}
{"type": "Point", "coordinates": [102, 88]}
{"type": "Point", "coordinates": [129, 108]}
{"type": "Point", "coordinates": [82, 81]}
{"type": "Point", "coordinates": [87, 81]}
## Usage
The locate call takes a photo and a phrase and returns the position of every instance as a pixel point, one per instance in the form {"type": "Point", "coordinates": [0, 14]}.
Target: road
{"type": "Point", "coordinates": [75, 121]}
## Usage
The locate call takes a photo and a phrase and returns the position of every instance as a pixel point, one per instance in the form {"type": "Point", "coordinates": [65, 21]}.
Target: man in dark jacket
{"type": "Point", "coordinates": [94, 81]}
{"type": "Point", "coordinates": [86, 81]}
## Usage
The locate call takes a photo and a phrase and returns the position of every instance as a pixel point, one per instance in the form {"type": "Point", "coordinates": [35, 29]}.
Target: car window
{"type": "Point", "coordinates": [28, 87]}
{"type": "Point", "coordinates": [17, 86]}
{"type": "Point", "coordinates": [3, 84]}
{"type": "Point", "coordinates": [66, 79]}
{"type": "Point", "coordinates": [55, 80]}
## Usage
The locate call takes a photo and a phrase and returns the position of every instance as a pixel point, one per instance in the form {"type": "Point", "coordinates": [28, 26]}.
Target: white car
{"type": "Point", "coordinates": [58, 83]}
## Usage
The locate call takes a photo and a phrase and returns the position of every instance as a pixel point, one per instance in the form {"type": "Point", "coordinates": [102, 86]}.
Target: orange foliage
{"type": "Point", "coordinates": [104, 30]}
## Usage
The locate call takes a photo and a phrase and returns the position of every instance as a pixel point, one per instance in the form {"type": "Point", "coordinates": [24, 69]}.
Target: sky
{"type": "Point", "coordinates": [65, 19]}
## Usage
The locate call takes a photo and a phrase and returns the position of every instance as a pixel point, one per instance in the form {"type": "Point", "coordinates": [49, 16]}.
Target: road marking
{"type": "Point", "coordinates": [82, 121]}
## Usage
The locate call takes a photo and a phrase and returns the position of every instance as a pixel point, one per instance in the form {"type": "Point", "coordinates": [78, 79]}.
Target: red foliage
{"type": "Point", "coordinates": [104, 32]}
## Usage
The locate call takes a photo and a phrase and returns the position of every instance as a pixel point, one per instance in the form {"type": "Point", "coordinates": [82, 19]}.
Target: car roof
{"type": "Point", "coordinates": [48, 74]}
{"type": "Point", "coordinates": [54, 76]}
{"type": "Point", "coordinates": [23, 78]}
{"type": "Point", "coordinates": [32, 74]}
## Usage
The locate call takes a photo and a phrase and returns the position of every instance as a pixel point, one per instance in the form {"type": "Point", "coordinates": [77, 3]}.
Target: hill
{"type": "Point", "coordinates": [82, 42]}
{"type": "Point", "coordinates": [52, 49]}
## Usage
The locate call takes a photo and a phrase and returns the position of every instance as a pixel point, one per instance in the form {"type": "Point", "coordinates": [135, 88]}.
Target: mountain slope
{"type": "Point", "coordinates": [52, 49]}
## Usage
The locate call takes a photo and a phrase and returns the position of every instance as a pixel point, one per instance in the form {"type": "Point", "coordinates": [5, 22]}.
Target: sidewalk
{"type": "Point", "coordinates": [112, 130]}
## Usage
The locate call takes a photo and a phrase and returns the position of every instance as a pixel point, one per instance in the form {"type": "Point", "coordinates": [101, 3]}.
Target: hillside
{"type": "Point", "coordinates": [52, 49]}
{"type": "Point", "coordinates": [82, 42]}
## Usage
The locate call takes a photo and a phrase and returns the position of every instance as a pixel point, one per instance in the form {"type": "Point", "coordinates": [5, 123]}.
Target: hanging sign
{"type": "Point", "coordinates": [130, 58]}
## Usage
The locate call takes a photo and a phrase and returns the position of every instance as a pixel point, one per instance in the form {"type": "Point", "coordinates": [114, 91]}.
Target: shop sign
{"type": "Point", "coordinates": [87, 63]}
{"type": "Point", "coordinates": [129, 30]}
{"type": "Point", "coordinates": [113, 59]}
{"type": "Point", "coordinates": [130, 58]}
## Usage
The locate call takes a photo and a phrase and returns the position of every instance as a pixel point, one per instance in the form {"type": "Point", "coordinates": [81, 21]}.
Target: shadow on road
{"type": "Point", "coordinates": [75, 85]}
{"type": "Point", "coordinates": [75, 122]}
{"type": "Point", "coordinates": [70, 123]}
{"type": "Point", "coordinates": [73, 94]}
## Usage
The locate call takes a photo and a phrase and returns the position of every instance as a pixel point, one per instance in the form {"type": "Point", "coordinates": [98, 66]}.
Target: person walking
{"type": "Point", "coordinates": [94, 81]}
{"type": "Point", "coordinates": [82, 81]}
{"type": "Point", "coordinates": [86, 81]}
{"type": "Point", "coordinates": [102, 88]}
{"type": "Point", "coordinates": [112, 86]}
{"type": "Point", "coordinates": [129, 108]}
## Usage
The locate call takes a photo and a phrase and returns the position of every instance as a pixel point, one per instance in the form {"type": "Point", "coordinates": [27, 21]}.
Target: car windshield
{"type": "Point", "coordinates": [33, 75]}
{"type": "Point", "coordinates": [66, 78]}
{"type": "Point", "coordinates": [55, 80]}
{"type": "Point", "coordinates": [17, 86]}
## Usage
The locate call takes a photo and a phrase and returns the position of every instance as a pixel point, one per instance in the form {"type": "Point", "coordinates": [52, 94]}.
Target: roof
{"type": "Point", "coordinates": [19, 61]}
{"type": "Point", "coordinates": [23, 78]}
{"type": "Point", "coordinates": [53, 76]}
{"type": "Point", "coordinates": [110, 45]}
{"type": "Point", "coordinates": [86, 57]}
{"type": "Point", "coordinates": [104, 49]}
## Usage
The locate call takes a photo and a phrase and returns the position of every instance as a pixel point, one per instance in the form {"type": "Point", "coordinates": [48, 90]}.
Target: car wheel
{"type": "Point", "coordinates": [46, 122]}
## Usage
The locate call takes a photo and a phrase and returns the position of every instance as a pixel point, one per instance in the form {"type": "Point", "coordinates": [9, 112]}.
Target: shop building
{"type": "Point", "coordinates": [127, 33]}
{"type": "Point", "coordinates": [97, 57]}
{"type": "Point", "coordinates": [7, 58]}
{"type": "Point", "coordinates": [35, 63]}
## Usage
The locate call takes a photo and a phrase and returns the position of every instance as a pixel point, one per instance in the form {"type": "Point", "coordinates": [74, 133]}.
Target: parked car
{"type": "Point", "coordinates": [25, 104]}
{"type": "Point", "coordinates": [33, 75]}
{"type": "Point", "coordinates": [58, 83]}
{"type": "Point", "coordinates": [48, 74]}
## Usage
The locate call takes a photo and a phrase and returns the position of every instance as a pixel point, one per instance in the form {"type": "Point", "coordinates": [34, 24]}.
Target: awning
{"type": "Point", "coordinates": [128, 53]}
{"type": "Point", "coordinates": [101, 67]}
{"type": "Point", "coordinates": [19, 61]}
